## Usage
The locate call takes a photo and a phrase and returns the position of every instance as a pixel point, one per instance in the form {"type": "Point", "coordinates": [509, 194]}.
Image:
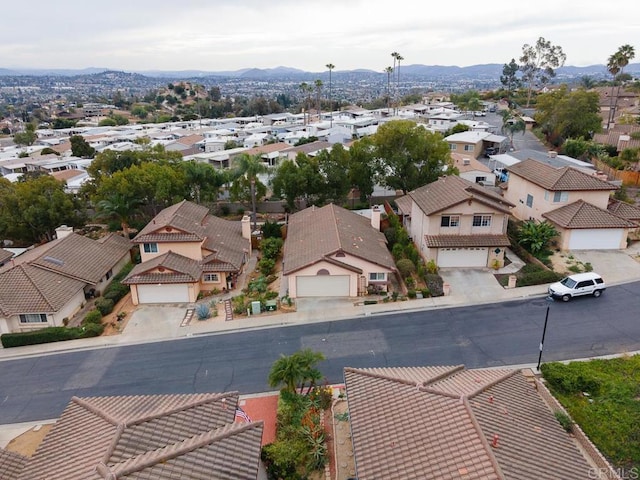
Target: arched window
{"type": "Point", "coordinates": [323, 271]}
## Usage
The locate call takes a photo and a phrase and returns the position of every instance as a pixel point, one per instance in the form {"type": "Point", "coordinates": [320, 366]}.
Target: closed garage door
{"type": "Point", "coordinates": [322, 286]}
{"type": "Point", "coordinates": [596, 239]}
{"type": "Point", "coordinates": [170, 293]}
{"type": "Point", "coordinates": [463, 257]}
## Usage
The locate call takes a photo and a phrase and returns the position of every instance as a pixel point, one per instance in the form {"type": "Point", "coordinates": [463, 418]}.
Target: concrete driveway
{"type": "Point", "coordinates": [615, 266]}
{"type": "Point", "coordinates": [477, 285]}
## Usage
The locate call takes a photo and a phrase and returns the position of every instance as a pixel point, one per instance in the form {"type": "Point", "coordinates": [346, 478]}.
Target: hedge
{"type": "Point", "coordinates": [50, 334]}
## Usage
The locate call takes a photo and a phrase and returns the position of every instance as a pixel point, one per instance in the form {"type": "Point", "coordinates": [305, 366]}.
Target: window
{"type": "Point", "coordinates": [377, 276]}
{"type": "Point", "coordinates": [150, 248]}
{"type": "Point", "coordinates": [109, 274]}
{"type": "Point", "coordinates": [210, 277]}
{"type": "Point", "coordinates": [560, 197]}
{"type": "Point", "coordinates": [529, 200]}
{"type": "Point", "coordinates": [481, 179]}
{"type": "Point", "coordinates": [450, 221]}
{"type": "Point", "coordinates": [33, 318]}
{"type": "Point", "coordinates": [452, 146]}
{"type": "Point", "coordinates": [468, 148]}
{"type": "Point", "coordinates": [482, 220]}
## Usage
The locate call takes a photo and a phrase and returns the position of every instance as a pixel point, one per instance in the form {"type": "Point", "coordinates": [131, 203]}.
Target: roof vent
{"type": "Point", "coordinates": [55, 261]}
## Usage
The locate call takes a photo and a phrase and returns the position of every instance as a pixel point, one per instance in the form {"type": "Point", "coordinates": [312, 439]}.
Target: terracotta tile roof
{"type": "Point", "coordinates": [11, 464]}
{"type": "Point", "coordinates": [449, 241]}
{"type": "Point", "coordinates": [406, 428]}
{"type": "Point", "coordinates": [64, 175]}
{"type": "Point", "coordinates": [314, 234]}
{"type": "Point", "coordinates": [186, 217]}
{"type": "Point", "coordinates": [5, 255]}
{"type": "Point", "coordinates": [81, 257]}
{"type": "Point", "coordinates": [468, 163]}
{"type": "Point", "coordinates": [149, 437]}
{"type": "Point", "coordinates": [177, 269]}
{"type": "Point", "coordinates": [28, 289]}
{"type": "Point", "coordinates": [269, 148]}
{"type": "Point", "coordinates": [624, 209]}
{"type": "Point", "coordinates": [453, 190]}
{"type": "Point", "coordinates": [558, 179]}
{"type": "Point", "coordinates": [224, 239]}
{"type": "Point", "coordinates": [190, 139]}
{"type": "Point", "coordinates": [404, 204]}
{"type": "Point", "coordinates": [581, 214]}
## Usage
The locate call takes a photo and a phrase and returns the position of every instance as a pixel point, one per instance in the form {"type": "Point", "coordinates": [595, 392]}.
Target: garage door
{"type": "Point", "coordinates": [592, 239]}
{"type": "Point", "coordinates": [463, 257]}
{"type": "Point", "coordinates": [169, 293]}
{"type": "Point", "coordinates": [322, 286]}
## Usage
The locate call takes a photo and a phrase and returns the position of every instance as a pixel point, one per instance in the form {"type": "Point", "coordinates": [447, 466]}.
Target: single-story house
{"type": "Point", "coordinates": [333, 252]}
{"type": "Point", "coordinates": [159, 437]}
{"type": "Point", "coordinates": [51, 282]}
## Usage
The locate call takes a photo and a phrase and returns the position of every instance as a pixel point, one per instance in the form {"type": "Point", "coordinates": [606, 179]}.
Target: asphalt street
{"type": "Point", "coordinates": [490, 335]}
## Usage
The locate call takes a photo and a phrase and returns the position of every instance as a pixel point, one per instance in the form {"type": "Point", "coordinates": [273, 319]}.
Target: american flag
{"type": "Point", "coordinates": [242, 414]}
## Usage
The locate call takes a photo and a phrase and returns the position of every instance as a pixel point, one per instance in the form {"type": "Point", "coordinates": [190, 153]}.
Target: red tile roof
{"type": "Point", "coordinates": [444, 241]}
{"type": "Point", "coordinates": [11, 464]}
{"type": "Point", "coordinates": [149, 437]}
{"type": "Point", "coordinates": [624, 209]}
{"type": "Point", "coordinates": [581, 214]}
{"type": "Point", "coordinates": [440, 422]}
{"type": "Point", "coordinates": [558, 179]}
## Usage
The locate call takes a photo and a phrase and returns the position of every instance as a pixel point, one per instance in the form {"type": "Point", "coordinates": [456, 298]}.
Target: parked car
{"type": "Point", "coordinates": [588, 283]}
{"type": "Point", "coordinates": [491, 151]}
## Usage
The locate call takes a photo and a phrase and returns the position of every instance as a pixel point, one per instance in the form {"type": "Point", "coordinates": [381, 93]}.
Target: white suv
{"type": "Point", "coordinates": [588, 283]}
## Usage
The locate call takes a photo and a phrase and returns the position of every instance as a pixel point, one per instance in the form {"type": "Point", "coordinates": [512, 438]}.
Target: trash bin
{"type": "Point", "coordinates": [255, 308]}
{"type": "Point", "coordinates": [270, 305]}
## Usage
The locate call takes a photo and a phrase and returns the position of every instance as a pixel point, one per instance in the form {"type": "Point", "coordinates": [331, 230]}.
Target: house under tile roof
{"type": "Point", "coordinates": [149, 437]}
{"type": "Point", "coordinates": [558, 179]}
{"type": "Point", "coordinates": [467, 241]}
{"type": "Point", "coordinates": [5, 256]}
{"type": "Point", "coordinates": [624, 210]}
{"type": "Point", "coordinates": [581, 214]}
{"type": "Point", "coordinates": [314, 234]}
{"type": "Point", "coordinates": [11, 464]}
{"type": "Point", "coordinates": [185, 217]}
{"type": "Point", "coordinates": [452, 423]}
{"type": "Point", "coordinates": [171, 268]}
{"type": "Point", "coordinates": [452, 190]}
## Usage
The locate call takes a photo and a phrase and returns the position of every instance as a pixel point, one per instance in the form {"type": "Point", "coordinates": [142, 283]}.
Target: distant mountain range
{"type": "Point", "coordinates": [490, 70]}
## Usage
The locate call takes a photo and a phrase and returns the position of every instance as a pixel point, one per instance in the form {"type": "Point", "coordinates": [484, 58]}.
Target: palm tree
{"type": "Point", "coordinates": [399, 58]}
{"type": "Point", "coordinates": [318, 84]}
{"type": "Point", "coordinates": [388, 71]}
{"type": "Point", "coordinates": [395, 56]}
{"type": "Point", "coordinates": [118, 207]}
{"type": "Point", "coordinates": [305, 88]}
{"type": "Point", "coordinates": [616, 65]}
{"type": "Point", "coordinates": [330, 66]}
{"type": "Point", "coordinates": [249, 167]}
{"type": "Point", "coordinates": [287, 371]}
{"type": "Point", "coordinates": [512, 124]}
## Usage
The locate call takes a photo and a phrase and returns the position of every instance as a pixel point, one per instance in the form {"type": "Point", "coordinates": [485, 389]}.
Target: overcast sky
{"type": "Point", "coordinates": [217, 35]}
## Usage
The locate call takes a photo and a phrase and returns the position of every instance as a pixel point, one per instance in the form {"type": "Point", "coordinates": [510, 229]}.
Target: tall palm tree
{"type": "Point", "coordinates": [318, 84]}
{"type": "Point", "coordinates": [615, 66]}
{"type": "Point", "coordinates": [388, 71]}
{"type": "Point", "coordinates": [249, 166]}
{"type": "Point", "coordinates": [330, 66]}
{"type": "Point", "coordinates": [305, 88]}
{"type": "Point", "coordinates": [395, 56]}
{"type": "Point", "coordinates": [399, 58]}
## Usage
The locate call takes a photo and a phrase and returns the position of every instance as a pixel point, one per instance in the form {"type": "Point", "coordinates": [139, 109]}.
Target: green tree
{"type": "Point", "coordinates": [408, 155]}
{"type": "Point", "coordinates": [119, 207]}
{"type": "Point", "coordinates": [28, 137]}
{"type": "Point", "coordinates": [246, 184]}
{"type": "Point", "coordinates": [615, 65]}
{"type": "Point", "coordinates": [80, 147]}
{"type": "Point", "coordinates": [562, 114]}
{"type": "Point", "coordinates": [204, 180]}
{"type": "Point", "coordinates": [296, 371]}
{"type": "Point", "coordinates": [333, 164]}
{"type": "Point", "coordinates": [512, 124]}
{"type": "Point", "coordinates": [538, 63]}
{"type": "Point", "coordinates": [509, 78]}
{"type": "Point", "coordinates": [362, 167]}
{"type": "Point", "coordinates": [468, 101]}
{"type": "Point", "coordinates": [535, 236]}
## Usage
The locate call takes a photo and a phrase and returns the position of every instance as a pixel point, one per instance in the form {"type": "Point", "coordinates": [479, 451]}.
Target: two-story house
{"type": "Point", "coordinates": [185, 250]}
{"type": "Point", "coordinates": [474, 143]}
{"type": "Point", "coordinates": [574, 201]}
{"type": "Point", "coordinates": [458, 223]}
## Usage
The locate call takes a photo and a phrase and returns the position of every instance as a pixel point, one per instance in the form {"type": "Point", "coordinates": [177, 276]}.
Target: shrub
{"type": "Point", "coordinates": [49, 335]}
{"type": "Point", "coordinates": [411, 294]}
{"type": "Point", "coordinates": [271, 247]}
{"type": "Point", "coordinates": [425, 292]}
{"type": "Point", "coordinates": [391, 236]}
{"type": "Point", "coordinates": [570, 379]}
{"type": "Point", "coordinates": [105, 305]}
{"type": "Point", "coordinates": [94, 316]}
{"type": "Point", "coordinates": [564, 420]}
{"type": "Point", "coordinates": [539, 277]}
{"type": "Point", "coordinates": [434, 284]}
{"type": "Point", "coordinates": [239, 304]}
{"type": "Point", "coordinates": [432, 266]}
{"type": "Point", "coordinates": [406, 267]}
{"type": "Point", "coordinates": [271, 230]}
{"type": "Point", "coordinates": [202, 311]}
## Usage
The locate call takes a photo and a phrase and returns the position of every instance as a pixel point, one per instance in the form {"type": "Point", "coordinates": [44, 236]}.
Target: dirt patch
{"type": "Point", "coordinates": [118, 318]}
{"type": "Point", "coordinates": [565, 263]}
{"type": "Point", "coordinates": [27, 443]}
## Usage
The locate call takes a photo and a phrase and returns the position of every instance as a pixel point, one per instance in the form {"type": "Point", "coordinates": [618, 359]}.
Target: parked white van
{"type": "Point", "coordinates": [588, 283]}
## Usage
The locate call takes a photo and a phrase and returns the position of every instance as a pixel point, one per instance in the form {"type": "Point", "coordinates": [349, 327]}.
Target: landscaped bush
{"type": "Point", "coordinates": [570, 379]}
{"type": "Point", "coordinates": [405, 267]}
{"type": "Point", "coordinates": [538, 278]}
{"type": "Point", "coordinates": [105, 305]}
{"type": "Point", "coordinates": [271, 247]}
{"type": "Point", "coordinates": [434, 284]}
{"type": "Point", "coordinates": [271, 230]}
{"type": "Point", "coordinates": [50, 334]}
{"type": "Point", "coordinates": [94, 316]}
{"type": "Point", "coordinates": [266, 266]}
{"type": "Point", "coordinates": [202, 311]}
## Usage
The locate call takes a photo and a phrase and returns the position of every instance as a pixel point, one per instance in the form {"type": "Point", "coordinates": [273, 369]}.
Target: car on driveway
{"type": "Point", "coordinates": [588, 283]}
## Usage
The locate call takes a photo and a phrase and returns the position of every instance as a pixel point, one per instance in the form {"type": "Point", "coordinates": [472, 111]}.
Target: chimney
{"type": "Point", "coordinates": [246, 227]}
{"type": "Point", "coordinates": [63, 231]}
{"type": "Point", "coordinates": [375, 217]}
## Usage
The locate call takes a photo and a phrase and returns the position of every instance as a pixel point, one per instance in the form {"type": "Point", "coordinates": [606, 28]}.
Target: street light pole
{"type": "Point", "coordinates": [544, 331]}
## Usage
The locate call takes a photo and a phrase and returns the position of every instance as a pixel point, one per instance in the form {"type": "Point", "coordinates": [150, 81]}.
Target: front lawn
{"type": "Point", "coordinates": [603, 397]}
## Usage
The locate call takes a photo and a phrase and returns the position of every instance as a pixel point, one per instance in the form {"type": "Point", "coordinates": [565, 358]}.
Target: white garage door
{"type": "Point", "coordinates": [322, 286]}
{"type": "Point", "coordinates": [596, 239]}
{"type": "Point", "coordinates": [169, 293]}
{"type": "Point", "coordinates": [463, 257]}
